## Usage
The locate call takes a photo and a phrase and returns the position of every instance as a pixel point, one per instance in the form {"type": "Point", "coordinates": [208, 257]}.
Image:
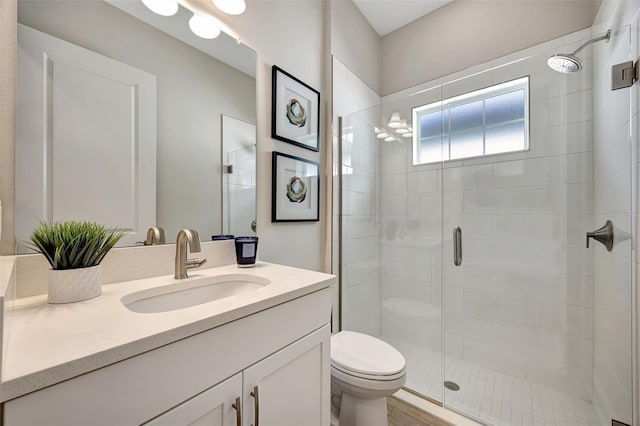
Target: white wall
{"type": "Point", "coordinates": [355, 43]}
{"type": "Point", "coordinates": [466, 33]}
{"type": "Point", "coordinates": [291, 35]}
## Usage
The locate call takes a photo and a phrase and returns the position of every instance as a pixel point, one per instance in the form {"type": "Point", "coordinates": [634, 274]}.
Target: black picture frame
{"type": "Point", "coordinates": [295, 110]}
{"type": "Point", "coordinates": [295, 189]}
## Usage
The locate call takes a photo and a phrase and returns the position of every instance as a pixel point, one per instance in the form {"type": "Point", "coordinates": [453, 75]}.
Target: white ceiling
{"type": "Point", "coordinates": [386, 16]}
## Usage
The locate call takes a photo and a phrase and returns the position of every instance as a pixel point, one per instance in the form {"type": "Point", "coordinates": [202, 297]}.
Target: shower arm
{"type": "Point", "coordinates": [606, 36]}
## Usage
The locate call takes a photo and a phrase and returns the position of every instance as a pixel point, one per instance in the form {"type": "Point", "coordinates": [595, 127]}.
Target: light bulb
{"type": "Point", "coordinates": [162, 7]}
{"type": "Point", "coordinates": [204, 26]}
{"type": "Point", "coordinates": [382, 135]}
{"type": "Point", "coordinates": [407, 135]}
{"type": "Point", "coordinates": [377, 129]}
{"type": "Point", "coordinates": [390, 139]}
{"type": "Point", "coordinates": [231, 7]}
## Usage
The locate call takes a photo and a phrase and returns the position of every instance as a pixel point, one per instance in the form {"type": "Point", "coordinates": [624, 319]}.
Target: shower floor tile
{"type": "Point", "coordinates": [491, 397]}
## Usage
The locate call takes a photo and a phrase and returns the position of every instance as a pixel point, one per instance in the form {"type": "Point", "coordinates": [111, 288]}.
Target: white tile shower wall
{"type": "Point", "coordinates": [522, 304]}
{"type": "Point", "coordinates": [357, 104]}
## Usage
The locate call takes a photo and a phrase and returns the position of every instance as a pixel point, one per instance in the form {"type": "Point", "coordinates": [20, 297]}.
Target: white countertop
{"type": "Point", "coordinates": [47, 344]}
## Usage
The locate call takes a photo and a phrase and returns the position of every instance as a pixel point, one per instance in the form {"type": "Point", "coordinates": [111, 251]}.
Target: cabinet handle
{"type": "Point", "coordinates": [256, 399]}
{"type": "Point", "coordinates": [236, 406]}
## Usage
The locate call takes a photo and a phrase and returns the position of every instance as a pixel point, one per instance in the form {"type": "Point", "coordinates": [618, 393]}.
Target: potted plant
{"type": "Point", "coordinates": [74, 250]}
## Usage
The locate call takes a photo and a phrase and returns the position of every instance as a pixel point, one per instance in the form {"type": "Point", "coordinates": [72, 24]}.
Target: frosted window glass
{"type": "Point", "coordinates": [505, 138]}
{"type": "Point", "coordinates": [507, 107]}
{"type": "Point", "coordinates": [431, 150]}
{"type": "Point", "coordinates": [467, 144]}
{"type": "Point", "coordinates": [487, 121]}
{"type": "Point", "coordinates": [466, 116]}
{"type": "Point", "coordinates": [431, 124]}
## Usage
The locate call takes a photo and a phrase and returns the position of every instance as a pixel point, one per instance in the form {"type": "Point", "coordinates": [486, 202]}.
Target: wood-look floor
{"type": "Point", "coordinates": [403, 414]}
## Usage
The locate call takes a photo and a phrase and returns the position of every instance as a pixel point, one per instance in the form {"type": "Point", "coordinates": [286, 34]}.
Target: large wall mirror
{"type": "Point", "coordinates": [128, 119]}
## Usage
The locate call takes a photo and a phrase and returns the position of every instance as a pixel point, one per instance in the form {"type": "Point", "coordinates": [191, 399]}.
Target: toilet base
{"type": "Point", "coordinates": [362, 412]}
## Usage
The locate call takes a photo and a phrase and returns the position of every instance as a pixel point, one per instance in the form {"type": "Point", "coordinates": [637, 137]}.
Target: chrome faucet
{"type": "Point", "coordinates": [182, 263]}
{"type": "Point", "coordinates": [155, 235]}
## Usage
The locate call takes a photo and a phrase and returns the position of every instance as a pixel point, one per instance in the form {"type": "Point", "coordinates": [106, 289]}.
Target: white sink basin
{"type": "Point", "coordinates": [192, 292]}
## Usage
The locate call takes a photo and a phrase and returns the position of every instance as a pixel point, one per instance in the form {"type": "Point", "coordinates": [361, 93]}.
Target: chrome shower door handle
{"type": "Point", "coordinates": [457, 246]}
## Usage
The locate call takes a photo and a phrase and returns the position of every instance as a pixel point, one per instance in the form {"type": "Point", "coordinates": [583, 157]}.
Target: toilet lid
{"type": "Point", "coordinates": [364, 354]}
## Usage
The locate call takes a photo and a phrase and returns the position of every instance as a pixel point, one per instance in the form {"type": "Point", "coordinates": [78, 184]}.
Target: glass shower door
{"type": "Point", "coordinates": [537, 326]}
{"type": "Point", "coordinates": [410, 240]}
{"type": "Point", "coordinates": [239, 191]}
{"type": "Point", "coordinates": [390, 232]}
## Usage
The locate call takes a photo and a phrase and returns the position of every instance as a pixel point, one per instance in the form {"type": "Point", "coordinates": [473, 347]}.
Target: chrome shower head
{"type": "Point", "coordinates": [565, 63]}
{"type": "Point", "coordinates": [569, 62]}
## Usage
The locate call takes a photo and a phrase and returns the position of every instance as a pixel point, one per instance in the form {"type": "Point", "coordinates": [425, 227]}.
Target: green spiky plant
{"type": "Point", "coordinates": [72, 245]}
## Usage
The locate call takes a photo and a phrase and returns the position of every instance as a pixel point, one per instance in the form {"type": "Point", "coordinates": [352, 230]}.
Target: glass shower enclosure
{"type": "Point", "coordinates": [461, 238]}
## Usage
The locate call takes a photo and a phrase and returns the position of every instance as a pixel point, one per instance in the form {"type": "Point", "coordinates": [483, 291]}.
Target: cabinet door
{"type": "Point", "coordinates": [213, 407]}
{"type": "Point", "coordinates": [292, 386]}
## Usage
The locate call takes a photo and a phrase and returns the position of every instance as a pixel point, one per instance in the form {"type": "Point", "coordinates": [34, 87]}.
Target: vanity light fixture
{"type": "Point", "coordinates": [395, 128]}
{"type": "Point", "coordinates": [403, 127]}
{"type": "Point", "coordinates": [395, 122]}
{"type": "Point", "coordinates": [204, 26]}
{"type": "Point", "coordinates": [231, 7]}
{"type": "Point", "coordinates": [162, 7]}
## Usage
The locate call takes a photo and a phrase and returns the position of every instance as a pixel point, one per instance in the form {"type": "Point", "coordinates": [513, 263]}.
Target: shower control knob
{"type": "Point", "coordinates": [603, 235]}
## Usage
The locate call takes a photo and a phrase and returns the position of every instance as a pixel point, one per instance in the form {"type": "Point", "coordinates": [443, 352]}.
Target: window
{"type": "Point", "coordinates": [489, 121]}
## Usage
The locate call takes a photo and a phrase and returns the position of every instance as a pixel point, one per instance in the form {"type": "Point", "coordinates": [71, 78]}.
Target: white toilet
{"type": "Point", "coordinates": [364, 371]}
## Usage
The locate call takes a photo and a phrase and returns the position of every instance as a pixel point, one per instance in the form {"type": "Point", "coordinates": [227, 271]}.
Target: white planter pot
{"type": "Point", "coordinates": [74, 285]}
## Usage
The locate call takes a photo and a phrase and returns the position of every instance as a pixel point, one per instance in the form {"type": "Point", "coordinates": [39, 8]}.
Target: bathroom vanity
{"type": "Point", "coordinates": [257, 357]}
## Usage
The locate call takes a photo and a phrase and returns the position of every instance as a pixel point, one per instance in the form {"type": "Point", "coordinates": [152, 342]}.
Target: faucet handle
{"type": "Point", "coordinates": [603, 235]}
{"type": "Point", "coordinates": [195, 263]}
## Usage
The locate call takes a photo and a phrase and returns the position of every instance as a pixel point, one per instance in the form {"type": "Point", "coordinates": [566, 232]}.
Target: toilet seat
{"type": "Point", "coordinates": [386, 377]}
{"type": "Point", "coordinates": [365, 357]}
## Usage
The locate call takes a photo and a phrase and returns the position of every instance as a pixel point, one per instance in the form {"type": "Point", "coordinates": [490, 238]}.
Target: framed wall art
{"type": "Point", "coordinates": [295, 189]}
{"type": "Point", "coordinates": [295, 111]}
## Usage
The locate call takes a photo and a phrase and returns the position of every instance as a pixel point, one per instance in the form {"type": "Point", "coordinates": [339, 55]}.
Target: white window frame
{"type": "Point", "coordinates": [466, 98]}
